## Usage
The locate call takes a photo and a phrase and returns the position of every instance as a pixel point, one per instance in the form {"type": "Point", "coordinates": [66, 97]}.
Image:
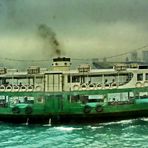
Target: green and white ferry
{"type": "Point", "coordinates": [59, 94]}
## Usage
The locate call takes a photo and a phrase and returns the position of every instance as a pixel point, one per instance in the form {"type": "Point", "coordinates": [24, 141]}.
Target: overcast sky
{"type": "Point", "coordinates": [84, 28]}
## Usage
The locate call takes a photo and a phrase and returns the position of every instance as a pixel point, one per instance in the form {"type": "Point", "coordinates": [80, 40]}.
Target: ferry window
{"type": "Point", "coordinates": [3, 101]}
{"type": "Point", "coordinates": [68, 79]}
{"type": "Point", "coordinates": [75, 79]}
{"type": "Point", "coordinates": [146, 76]}
{"type": "Point", "coordinates": [96, 98]}
{"type": "Point", "coordinates": [38, 80]}
{"type": "Point", "coordinates": [40, 99]}
{"type": "Point", "coordinates": [125, 78]}
{"type": "Point", "coordinates": [30, 100]}
{"type": "Point", "coordinates": [88, 80]}
{"type": "Point", "coordinates": [139, 77]}
{"type": "Point", "coordinates": [92, 79]}
{"type": "Point", "coordinates": [110, 79]}
{"type": "Point", "coordinates": [84, 99]}
{"type": "Point", "coordinates": [131, 95]}
{"type": "Point", "coordinates": [114, 96]}
{"type": "Point", "coordinates": [21, 99]}
{"type": "Point", "coordinates": [136, 94]}
{"type": "Point", "coordinates": [143, 95]}
{"type": "Point", "coordinates": [69, 98]}
{"type": "Point", "coordinates": [75, 98]}
{"type": "Point", "coordinates": [124, 96]}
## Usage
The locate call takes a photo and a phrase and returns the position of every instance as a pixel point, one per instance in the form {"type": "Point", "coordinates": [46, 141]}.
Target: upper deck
{"type": "Point", "coordinates": [61, 78]}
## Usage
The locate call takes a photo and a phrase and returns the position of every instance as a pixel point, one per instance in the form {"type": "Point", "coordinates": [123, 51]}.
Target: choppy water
{"type": "Point", "coordinates": [128, 133]}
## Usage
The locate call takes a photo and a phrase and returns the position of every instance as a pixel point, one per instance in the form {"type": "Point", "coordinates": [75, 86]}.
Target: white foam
{"type": "Point", "coordinates": [67, 128]}
{"type": "Point", "coordinates": [144, 119]}
{"type": "Point", "coordinates": [118, 122]}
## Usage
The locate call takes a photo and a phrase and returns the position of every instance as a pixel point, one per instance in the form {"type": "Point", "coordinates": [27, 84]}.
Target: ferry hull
{"type": "Point", "coordinates": [73, 117]}
{"type": "Point", "coordinates": [98, 118]}
{"type": "Point", "coordinates": [44, 119]}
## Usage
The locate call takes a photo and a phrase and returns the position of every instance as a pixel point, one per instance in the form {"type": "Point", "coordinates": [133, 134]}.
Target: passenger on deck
{"type": "Point", "coordinates": [113, 82]}
{"type": "Point", "coordinates": [114, 99]}
{"type": "Point", "coordinates": [20, 84]}
{"type": "Point", "coordinates": [89, 82]}
{"type": "Point", "coordinates": [106, 82]}
{"type": "Point", "coordinates": [16, 101]}
{"type": "Point", "coordinates": [25, 100]}
{"type": "Point", "coordinates": [7, 83]}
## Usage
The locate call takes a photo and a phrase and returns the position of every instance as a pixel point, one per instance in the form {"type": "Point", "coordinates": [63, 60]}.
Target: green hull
{"type": "Point", "coordinates": [57, 107]}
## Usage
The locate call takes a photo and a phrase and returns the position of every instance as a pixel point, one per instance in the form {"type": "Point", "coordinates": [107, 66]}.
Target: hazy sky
{"type": "Point", "coordinates": [84, 28]}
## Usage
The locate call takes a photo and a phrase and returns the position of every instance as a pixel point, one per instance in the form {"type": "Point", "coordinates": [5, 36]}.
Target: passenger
{"type": "Point", "coordinates": [16, 101]}
{"type": "Point", "coordinates": [89, 82]}
{"type": "Point", "coordinates": [20, 84]}
{"type": "Point", "coordinates": [106, 82]}
{"type": "Point", "coordinates": [104, 98]}
{"type": "Point", "coordinates": [113, 82]}
{"type": "Point", "coordinates": [25, 100]}
{"type": "Point", "coordinates": [7, 83]}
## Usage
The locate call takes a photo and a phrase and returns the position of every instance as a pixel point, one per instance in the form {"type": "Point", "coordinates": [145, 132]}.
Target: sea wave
{"type": "Point", "coordinates": [126, 133]}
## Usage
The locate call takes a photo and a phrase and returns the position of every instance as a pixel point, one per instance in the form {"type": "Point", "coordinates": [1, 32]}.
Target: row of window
{"type": "Point", "coordinates": [140, 77]}
{"type": "Point", "coordinates": [110, 97]}
{"type": "Point", "coordinates": [121, 78]}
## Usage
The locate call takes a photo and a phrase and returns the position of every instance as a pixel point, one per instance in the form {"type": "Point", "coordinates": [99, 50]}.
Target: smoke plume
{"type": "Point", "coordinates": [50, 39]}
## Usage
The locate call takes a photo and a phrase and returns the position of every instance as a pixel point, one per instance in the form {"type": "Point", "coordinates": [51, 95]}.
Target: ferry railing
{"type": "Point", "coordinates": [18, 88]}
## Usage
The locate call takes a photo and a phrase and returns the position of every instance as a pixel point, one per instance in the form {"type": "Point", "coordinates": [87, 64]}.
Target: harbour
{"type": "Point", "coordinates": [73, 74]}
{"type": "Point", "coordinates": [127, 133]}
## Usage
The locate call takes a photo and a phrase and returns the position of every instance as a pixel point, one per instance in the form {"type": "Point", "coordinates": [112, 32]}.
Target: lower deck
{"type": "Point", "coordinates": [93, 105]}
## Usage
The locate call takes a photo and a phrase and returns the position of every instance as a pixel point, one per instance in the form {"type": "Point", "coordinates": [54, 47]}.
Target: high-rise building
{"type": "Point", "coordinates": [145, 56]}
{"type": "Point", "coordinates": [134, 56]}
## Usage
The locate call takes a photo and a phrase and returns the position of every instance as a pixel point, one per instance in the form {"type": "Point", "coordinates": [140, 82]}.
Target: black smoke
{"type": "Point", "coordinates": [49, 36]}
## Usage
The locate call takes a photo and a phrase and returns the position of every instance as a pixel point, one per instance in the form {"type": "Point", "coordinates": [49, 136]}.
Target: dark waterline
{"type": "Point", "coordinates": [126, 133]}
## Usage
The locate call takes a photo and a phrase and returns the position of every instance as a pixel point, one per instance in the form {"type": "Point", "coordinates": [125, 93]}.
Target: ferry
{"type": "Point", "coordinates": [59, 94]}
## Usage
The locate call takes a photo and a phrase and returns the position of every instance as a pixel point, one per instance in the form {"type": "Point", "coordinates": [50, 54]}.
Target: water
{"type": "Point", "coordinates": [127, 133]}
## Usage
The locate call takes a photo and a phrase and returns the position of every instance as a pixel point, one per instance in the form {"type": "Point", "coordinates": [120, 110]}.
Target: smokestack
{"type": "Point", "coordinates": [47, 34]}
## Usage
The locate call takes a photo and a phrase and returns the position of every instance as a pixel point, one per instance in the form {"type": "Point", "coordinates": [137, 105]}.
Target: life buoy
{"type": "Point", "coordinates": [91, 86]}
{"type": "Point", "coordinates": [29, 88]}
{"type": "Point", "coordinates": [76, 87]}
{"type": "Point", "coordinates": [2, 88]}
{"type": "Point", "coordinates": [16, 110]}
{"type": "Point", "coordinates": [99, 108]}
{"type": "Point", "coordinates": [23, 88]}
{"type": "Point", "coordinates": [145, 84]}
{"type": "Point", "coordinates": [138, 84]}
{"type": "Point", "coordinates": [15, 88]}
{"type": "Point", "coordinates": [113, 85]}
{"type": "Point", "coordinates": [107, 86]}
{"type": "Point", "coordinates": [98, 86]}
{"type": "Point", "coordinates": [84, 86]}
{"type": "Point", "coordinates": [38, 88]}
{"type": "Point", "coordinates": [28, 110]}
{"type": "Point", "coordinates": [87, 109]}
{"type": "Point", "coordinates": [9, 88]}
{"type": "Point", "coordinates": [40, 100]}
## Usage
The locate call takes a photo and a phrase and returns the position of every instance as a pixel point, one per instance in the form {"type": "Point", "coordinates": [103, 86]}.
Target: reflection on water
{"type": "Point", "coordinates": [127, 133]}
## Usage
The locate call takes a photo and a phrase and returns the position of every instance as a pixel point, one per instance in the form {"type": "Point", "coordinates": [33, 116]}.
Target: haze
{"type": "Point", "coordinates": [83, 28]}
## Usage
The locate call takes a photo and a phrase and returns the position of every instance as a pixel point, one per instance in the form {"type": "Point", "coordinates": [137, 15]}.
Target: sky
{"type": "Point", "coordinates": [82, 28]}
